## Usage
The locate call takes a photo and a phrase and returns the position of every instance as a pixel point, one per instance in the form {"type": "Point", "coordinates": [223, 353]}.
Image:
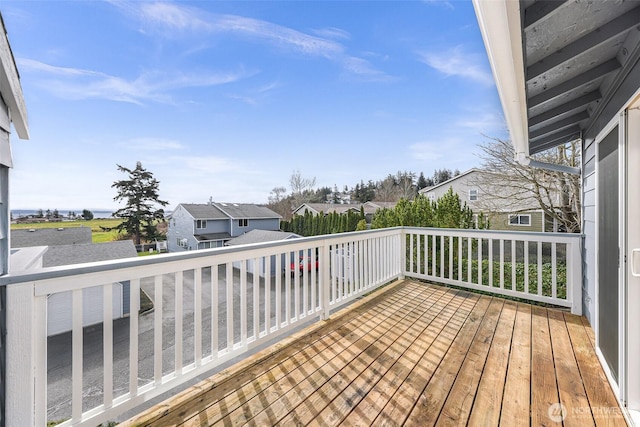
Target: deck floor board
{"type": "Point", "coordinates": [418, 354]}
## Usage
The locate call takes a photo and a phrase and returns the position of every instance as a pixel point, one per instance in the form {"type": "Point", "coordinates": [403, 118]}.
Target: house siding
{"type": "Point", "coordinates": [271, 224]}
{"type": "Point", "coordinates": [589, 223]}
{"type": "Point", "coordinates": [500, 221]}
{"type": "Point", "coordinates": [181, 226]}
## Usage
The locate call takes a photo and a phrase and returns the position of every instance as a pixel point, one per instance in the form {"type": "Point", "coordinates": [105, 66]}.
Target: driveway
{"type": "Point", "coordinates": [59, 346]}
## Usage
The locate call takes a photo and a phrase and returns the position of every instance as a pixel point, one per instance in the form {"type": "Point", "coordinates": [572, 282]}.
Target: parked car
{"type": "Point", "coordinates": [301, 264]}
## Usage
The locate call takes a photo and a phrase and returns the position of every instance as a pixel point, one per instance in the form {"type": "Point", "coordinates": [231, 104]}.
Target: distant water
{"type": "Point", "coordinates": [17, 213]}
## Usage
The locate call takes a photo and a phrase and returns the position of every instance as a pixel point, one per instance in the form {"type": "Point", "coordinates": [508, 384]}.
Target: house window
{"type": "Point", "coordinates": [201, 223]}
{"type": "Point", "coordinates": [182, 243]}
{"type": "Point", "coordinates": [244, 222]}
{"type": "Point", "coordinates": [524, 220]}
{"type": "Point", "coordinates": [473, 195]}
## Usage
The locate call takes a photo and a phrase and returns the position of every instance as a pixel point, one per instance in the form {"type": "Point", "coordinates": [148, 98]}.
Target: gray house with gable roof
{"type": "Point", "coordinates": [211, 225]}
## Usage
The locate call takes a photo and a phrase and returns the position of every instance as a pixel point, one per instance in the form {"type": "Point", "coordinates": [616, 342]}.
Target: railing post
{"type": "Point", "coordinates": [325, 280]}
{"type": "Point", "coordinates": [26, 340]}
{"type": "Point", "coordinates": [403, 254]}
{"type": "Point", "coordinates": [574, 275]}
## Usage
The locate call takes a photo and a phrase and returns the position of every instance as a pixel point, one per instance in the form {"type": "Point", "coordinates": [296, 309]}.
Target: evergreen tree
{"type": "Point", "coordinates": [140, 192]}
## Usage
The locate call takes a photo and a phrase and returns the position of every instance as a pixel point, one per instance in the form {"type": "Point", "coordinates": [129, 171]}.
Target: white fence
{"type": "Point", "coordinates": [210, 306]}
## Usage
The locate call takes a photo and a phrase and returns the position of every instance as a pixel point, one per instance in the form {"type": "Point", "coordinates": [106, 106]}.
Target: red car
{"type": "Point", "coordinates": [301, 265]}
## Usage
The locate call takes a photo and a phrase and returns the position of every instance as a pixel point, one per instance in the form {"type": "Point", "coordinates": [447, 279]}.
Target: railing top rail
{"type": "Point", "coordinates": [502, 234]}
{"type": "Point", "coordinates": [172, 258]}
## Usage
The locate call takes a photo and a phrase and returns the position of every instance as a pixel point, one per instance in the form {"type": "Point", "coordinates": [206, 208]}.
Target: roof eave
{"type": "Point", "coordinates": [501, 28]}
{"type": "Point", "coordinates": [10, 87]}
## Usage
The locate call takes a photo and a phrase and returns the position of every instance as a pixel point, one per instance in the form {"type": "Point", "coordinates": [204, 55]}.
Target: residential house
{"type": "Point", "coordinates": [211, 225]}
{"type": "Point", "coordinates": [571, 71]}
{"type": "Point", "coordinates": [502, 213]}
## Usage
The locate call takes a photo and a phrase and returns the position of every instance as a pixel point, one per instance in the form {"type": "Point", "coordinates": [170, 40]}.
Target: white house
{"type": "Point", "coordinates": [571, 70]}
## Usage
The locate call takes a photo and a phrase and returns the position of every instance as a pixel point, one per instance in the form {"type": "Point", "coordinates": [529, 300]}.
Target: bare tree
{"type": "Point", "coordinates": [506, 184]}
{"type": "Point", "coordinates": [406, 187]}
{"type": "Point", "coordinates": [280, 203]}
{"type": "Point", "coordinates": [387, 190]}
{"type": "Point", "coordinates": [301, 188]}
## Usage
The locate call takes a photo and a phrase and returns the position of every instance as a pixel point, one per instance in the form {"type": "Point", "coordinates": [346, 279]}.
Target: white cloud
{"type": "Point", "coordinates": [427, 150]}
{"type": "Point", "coordinates": [457, 62]}
{"type": "Point", "coordinates": [444, 3]}
{"type": "Point", "coordinates": [156, 144]}
{"type": "Point", "coordinates": [75, 83]}
{"type": "Point", "coordinates": [172, 19]}
{"type": "Point", "coordinates": [487, 123]}
{"type": "Point", "coordinates": [333, 33]}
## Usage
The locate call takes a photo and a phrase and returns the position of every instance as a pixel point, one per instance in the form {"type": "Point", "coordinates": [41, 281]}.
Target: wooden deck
{"type": "Point", "coordinates": [415, 354]}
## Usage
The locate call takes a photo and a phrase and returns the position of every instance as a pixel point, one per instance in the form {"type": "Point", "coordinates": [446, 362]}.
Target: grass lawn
{"type": "Point", "coordinates": [97, 234]}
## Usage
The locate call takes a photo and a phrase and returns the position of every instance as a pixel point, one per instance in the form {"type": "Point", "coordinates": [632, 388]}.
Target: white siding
{"type": "Point", "coordinates": [589, 230]}
{"type": "Point", "coordinates": [59, 308]}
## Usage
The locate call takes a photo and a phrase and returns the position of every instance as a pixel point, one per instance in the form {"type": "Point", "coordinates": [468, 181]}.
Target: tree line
{"type": "Point", "coordinates": [402, 185]}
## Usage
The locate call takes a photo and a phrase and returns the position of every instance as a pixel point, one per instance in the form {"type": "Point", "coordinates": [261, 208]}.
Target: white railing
{"type": "Point", "coordinates": [211, 306]}
{"type": "Point", "coordinates": [543, 267]}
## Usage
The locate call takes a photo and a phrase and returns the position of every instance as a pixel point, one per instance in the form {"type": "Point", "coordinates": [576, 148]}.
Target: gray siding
{"type": "Point", "coordinates": [181, 226]}
{"type": "Point", "coordinates": [272, 224]}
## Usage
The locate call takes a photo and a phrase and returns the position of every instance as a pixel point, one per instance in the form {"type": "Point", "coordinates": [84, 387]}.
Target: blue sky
{"type": "Point", "coordinates": [227, 99]}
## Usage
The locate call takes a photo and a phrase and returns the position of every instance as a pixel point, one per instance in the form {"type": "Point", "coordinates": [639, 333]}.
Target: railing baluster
{"type": "Point", "coordinates": [287, 290]}
{"type": "Point", "coordinates": [539, 268]}
{"type": "Point", "coordinates": [256, 298]}
{"type": "Point", "coordinates": [490, 257]}
{"type": "Point", "coordinates": [157, 329]}
{"type": "Point", "coordinates": [304, 310]}
{"type": "Point", "coordinates": [134, 307]}
{"type": "Point", "coordinates": [433, 256]}
{"type": "Point", "coordinates": [480, 261]}
{"type": "Point", "coordinates": [107, 344]}
{"type": "Point", "coordinates": [526, 265]}
{"type": "Point", "coordinates": [267, 294]}
{"type": "Point", "coordinates": [278, 299]}
{"type": "Point", "coordinates": [229, 303]}
{"type": "Point", "coordinates": [450, 275]}
{"type": "Point", "coordinates": [513, 265]}
{"type": "Point", "coordinates": [243, 302]}
{"type": "Point", "coordinates": [77, 353]}
{"type": "Point", "coordinates": [296, 289]}
{"type": "Point", "coordinates": [469, 261]}
{"type": "Point", "coordinates": [501, 264]}
{"type": "Point", "coordinates": [179, 319]}
{"type": "Point", "coordinates": [214, 311]}
{"type": "Point", "coordinates": [197, 316]}
{"type": "Point", "coordinates": [460, 263]}
{"type": "Point", "coordinates": [554, 270]}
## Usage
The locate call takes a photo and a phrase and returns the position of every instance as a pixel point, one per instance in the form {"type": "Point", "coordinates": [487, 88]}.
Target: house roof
{"type": "Point", "coordinates": [88, 252]}
{"type": "Point", "coordinates": [212, 236]}
{"type": "Point", "coordinates": [448, 182]}
{"type": "Point", "coordinates": [246, 210]}
{"type": "Point", "coordinates": [203, 211]}
{"type": "Point", "coordinates": [563, 69]}
{"type": "Point", "coordinates": [261, 236]}
{"type": "Point", "coordinates": [24, 238]}
{"type": "Point", "coordinates": [10, 87]}
{"type": "Point", "coordinates": [216, 210]}
{"type": "Point", "coordinates": [327, 207]}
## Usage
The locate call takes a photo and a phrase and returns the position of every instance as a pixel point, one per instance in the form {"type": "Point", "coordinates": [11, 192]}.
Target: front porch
{"type": "Point", "coordinates": [413, 353]}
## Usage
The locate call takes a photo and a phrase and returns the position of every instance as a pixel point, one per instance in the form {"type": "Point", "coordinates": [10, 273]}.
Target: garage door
{"type": "Point", "coordinates": [59, 308]}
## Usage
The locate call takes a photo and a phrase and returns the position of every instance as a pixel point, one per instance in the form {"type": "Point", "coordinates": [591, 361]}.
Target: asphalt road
{"type": "Point", "coordinates": [59, 347]}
